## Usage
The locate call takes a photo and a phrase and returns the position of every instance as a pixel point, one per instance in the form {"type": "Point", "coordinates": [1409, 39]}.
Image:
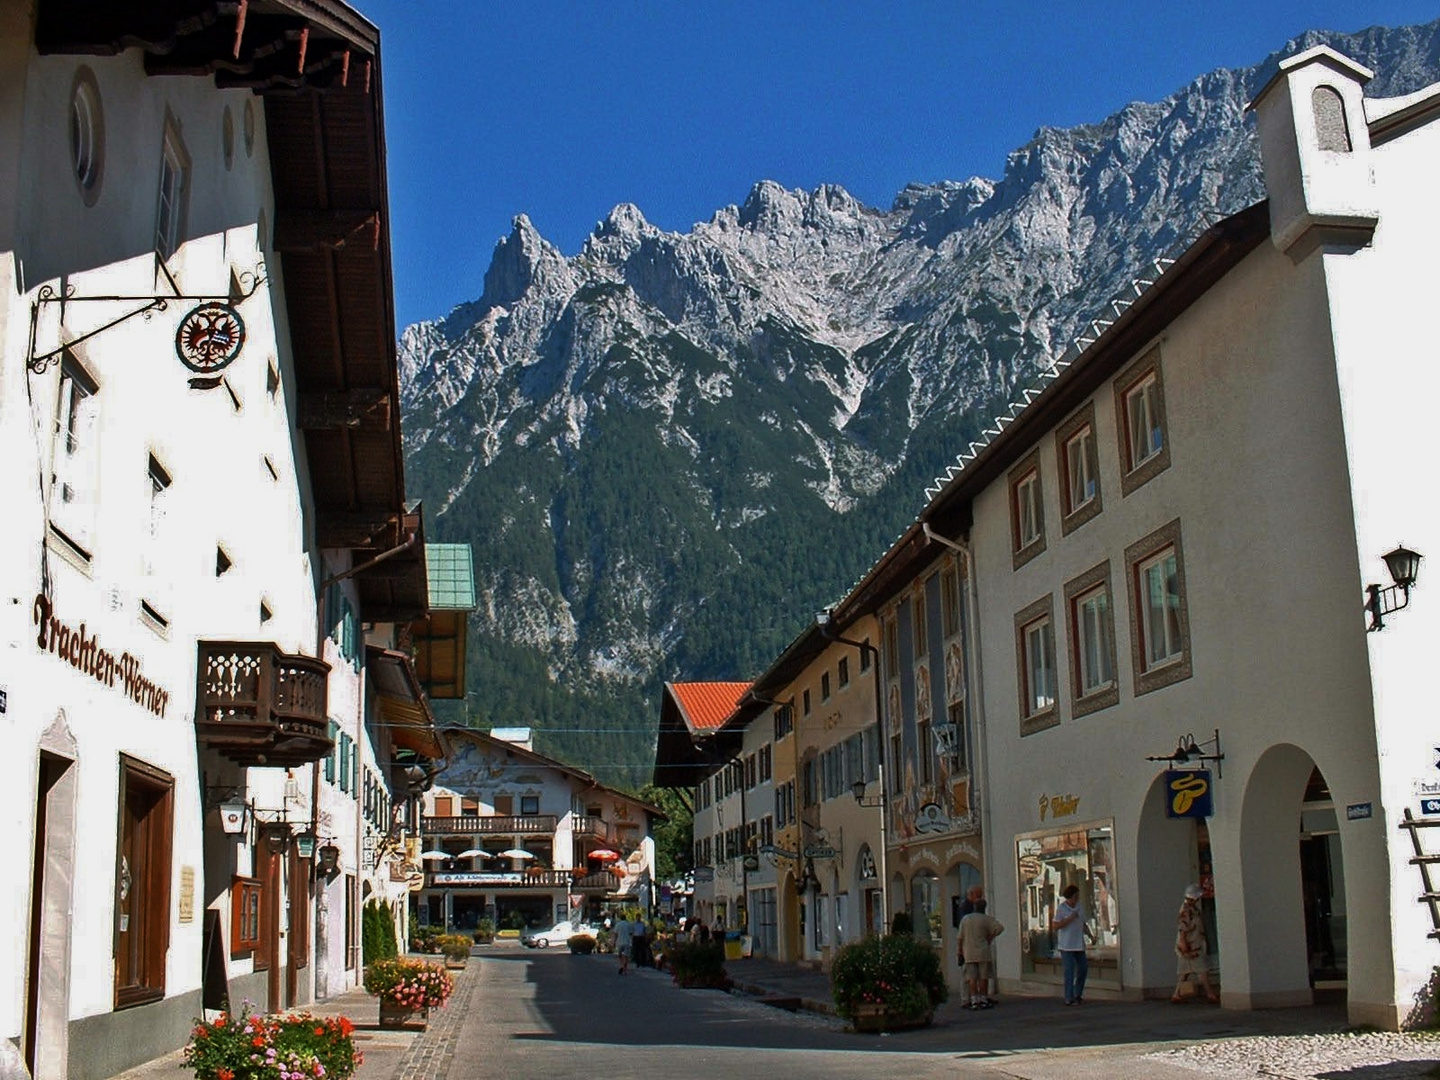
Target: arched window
{"type": "Point", "coordinates": [87, 134]}
{"type": "Point", "coordinates": [1331, 131]}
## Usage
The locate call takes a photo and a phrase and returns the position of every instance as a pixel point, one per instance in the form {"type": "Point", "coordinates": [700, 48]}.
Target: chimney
{"type": "Point", "coordinates": [1315, 147]}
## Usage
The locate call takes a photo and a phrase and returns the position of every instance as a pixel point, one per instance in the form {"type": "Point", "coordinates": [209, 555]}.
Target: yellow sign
{"type": "Point", "coordinates": [1058, 806]}
{"type": "Point", "coordinates": [187, 894]}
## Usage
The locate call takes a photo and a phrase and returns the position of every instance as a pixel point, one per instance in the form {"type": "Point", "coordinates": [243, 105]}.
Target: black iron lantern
{"type": "Point", "coordinates": [1404, 566]}
{"type": "Point", "coordinates": [305, 845]}
{"type": "Point", "coordinates": [277, 839]}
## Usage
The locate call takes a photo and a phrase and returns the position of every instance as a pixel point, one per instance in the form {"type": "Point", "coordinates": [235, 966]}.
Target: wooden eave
{"type": "Point", "coordinates": [439, 638]}
{"type": "Point", "coordinates": [684, 757]}
{"type": "Point", "coordinates": [1218, 251]}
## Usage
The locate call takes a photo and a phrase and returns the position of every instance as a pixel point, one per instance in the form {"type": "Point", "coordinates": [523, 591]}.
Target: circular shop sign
{"type": "Point", "coordinates": [210, 338]}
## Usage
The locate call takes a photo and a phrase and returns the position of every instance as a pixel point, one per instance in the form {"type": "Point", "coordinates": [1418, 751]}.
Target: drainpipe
{"type": "Point", "coordinates": [322, 906]}
{"type": "Point", "coordinates": [974, 690]}
{"type": "Point", "coordinates": [825, 622]}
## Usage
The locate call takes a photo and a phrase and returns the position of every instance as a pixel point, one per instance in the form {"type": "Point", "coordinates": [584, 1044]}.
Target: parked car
{"type": "Point", "coordinates": [558, 934]}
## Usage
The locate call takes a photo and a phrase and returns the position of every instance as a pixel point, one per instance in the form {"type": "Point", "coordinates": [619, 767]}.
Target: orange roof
{"type": "Point", "coordinates": [706, 705]}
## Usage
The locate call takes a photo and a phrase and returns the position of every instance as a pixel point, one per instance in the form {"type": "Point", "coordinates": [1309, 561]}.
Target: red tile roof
{"type": "Point", "coordinates": [706, 705]}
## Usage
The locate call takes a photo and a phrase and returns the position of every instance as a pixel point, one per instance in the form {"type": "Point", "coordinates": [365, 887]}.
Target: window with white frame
{"type": "Point", "coordinates": [1081, 479]}
{"type": "Point", "coordinates": [154, 563]}
{"type": "Point", "coordinates": [1092, 638]}
{"type": "Point", "coordinates": [1160, 609]}
{"type": "Point", "coordinates": [1140, 422]}
{"type": "Point", "coordinates": [1027, 509]}
{"type": "Point", "coordinates": [1039, 666]}
{"type": "Point", "coordinates": [1036, 676]}
{"type": "Point", "coordinates": [173, 190]}
{"type": "Point", "coordinates": [75, 458]}
{"type": "Point", "coordinates": [1091, 620]}
{"type": "Point", "coordinates": [1159, 619]}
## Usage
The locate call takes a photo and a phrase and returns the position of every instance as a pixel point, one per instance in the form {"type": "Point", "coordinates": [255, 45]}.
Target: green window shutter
{"type": "Point", "coordinates": [334, 729]}
{"type": "Point", "coordinates": [354, 770]}
{"type": "Point", "coordinates": [344, 762]}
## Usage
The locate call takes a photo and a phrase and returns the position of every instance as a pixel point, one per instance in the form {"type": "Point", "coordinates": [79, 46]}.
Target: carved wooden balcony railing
{"type": "Point", "coordinates": [490, 824]}
{"type": "Point", "coordinates": [586, 825]}
{"type": "Point", "coordinates": [258, 706]}
{"type": "Point", "coordinates": [603, 880]}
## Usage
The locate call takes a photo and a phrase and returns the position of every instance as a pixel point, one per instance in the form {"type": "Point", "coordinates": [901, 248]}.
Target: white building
{"type": "Point", "coordinates": [497, 796]}
{"type": "Point", "coordinates": [199, 408]}
{"type": "Point", "coordinates": [1171, 543]}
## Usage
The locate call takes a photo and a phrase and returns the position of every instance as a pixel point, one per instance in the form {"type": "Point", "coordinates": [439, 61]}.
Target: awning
{"type": "Point", "coordinates": [439, 635]}
{"type": "Point", "coordinates": [402, 703]}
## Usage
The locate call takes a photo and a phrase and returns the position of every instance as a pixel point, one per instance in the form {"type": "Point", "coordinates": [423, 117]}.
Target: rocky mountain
{"type": "Point", "coordinates": [671, 448]}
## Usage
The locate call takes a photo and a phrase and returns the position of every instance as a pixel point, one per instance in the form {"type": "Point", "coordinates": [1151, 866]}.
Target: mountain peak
{"type": "Point", "coordinates": [520, 259]}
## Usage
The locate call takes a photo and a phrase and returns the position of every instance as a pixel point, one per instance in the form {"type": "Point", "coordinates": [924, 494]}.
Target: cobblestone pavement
{"type": "Point", "coordinates": [431, 1054]}
{"type": "Point", "coordinates": [1379, 1055]}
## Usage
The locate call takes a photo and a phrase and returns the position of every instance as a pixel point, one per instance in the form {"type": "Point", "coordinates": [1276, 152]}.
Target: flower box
{"type": "Point", "coordinates": [394, 1016]}
{"type": "Point", "coordinates": [872, 1018]}
{"type": "Point", "coordinates": [453, 964]}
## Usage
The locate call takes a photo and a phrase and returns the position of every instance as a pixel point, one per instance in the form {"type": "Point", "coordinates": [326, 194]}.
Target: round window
{"type": "Point", "coordinates": [249, 127]}
{"type": "Point", "coordinates": [227, 137]}
{"type": "Point", "coordinates": [87, 134]}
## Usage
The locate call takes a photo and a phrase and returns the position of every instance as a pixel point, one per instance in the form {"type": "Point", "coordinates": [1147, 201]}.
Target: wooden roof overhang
{"type": "Point", "coordinates": [316, 64]}
{"type": "Point", "coordinates": [402, 704]}
{"type": "Point", "coordinates": [1217, 251]}
{"type": "Point", "coordinates": [683, 755]}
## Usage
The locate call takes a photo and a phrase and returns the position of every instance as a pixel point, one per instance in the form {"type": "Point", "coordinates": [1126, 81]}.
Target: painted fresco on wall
{"type": "Point", "coordinates": [473, 767]}
{"type": "Point", "coordinates": [954, 672]}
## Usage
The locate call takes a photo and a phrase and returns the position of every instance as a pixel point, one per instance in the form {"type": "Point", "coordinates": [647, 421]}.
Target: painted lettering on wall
{"type": "Point", "coordinates": [1058, 805]}
{"type": "Point", "coordinates": [82, 651]}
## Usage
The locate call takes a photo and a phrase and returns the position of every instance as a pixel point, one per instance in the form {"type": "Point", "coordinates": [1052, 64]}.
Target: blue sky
{"type": "Point", "coordinates": [560, 110]}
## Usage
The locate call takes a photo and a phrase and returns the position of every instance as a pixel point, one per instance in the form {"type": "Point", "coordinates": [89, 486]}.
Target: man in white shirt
{"type": "Point", "coordinates": [1070, 934]}
{"type": "Point", "coordinates": [624, 940]}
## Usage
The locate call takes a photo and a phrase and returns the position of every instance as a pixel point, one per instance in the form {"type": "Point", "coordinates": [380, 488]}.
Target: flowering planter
{"type": "Point", "coordinates": [394, 1015]}
{"type": "Point", "coordinates": [454, 964]}
{"type": "Point", "coordinates": [870, 1018]}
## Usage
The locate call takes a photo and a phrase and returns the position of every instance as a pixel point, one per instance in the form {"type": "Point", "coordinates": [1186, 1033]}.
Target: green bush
{"type": "Point", "coordinates": [581, 943]}
{"type": "Point", "coordinates": [513, 920]}
{"type": "Point", "coordinates": [454, 946]}
{"type": "Point", "coordinates": [377, 932]}
{"type": "Point", "coordinates": [895, 971]}
{"type": "Point", "coordinates": [484, 931]}
{"type": "Point", "coordinates": [605, 941]}
{"type": "Point", "coordinates": [426, 939]}
{"type": "Point", "coordinates": [698, 964]}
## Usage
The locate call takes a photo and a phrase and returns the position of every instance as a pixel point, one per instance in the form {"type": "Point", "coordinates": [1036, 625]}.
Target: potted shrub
{"type": "Point", "coordinates": [456, 949]}
{"type": "Point", "coordinates": [484, 932]}
{"type": "Point", "coordinates": [698, 964]}
{"type": "Point", "coordinates": [407, 989]}
{"type": "Point", "coordinates": [424, 939]}
{"type": "Point", "coordinates": [272, 1047]}
{"type": "Point", "coordinates": [582, 944]}
{"type": "Point", "coordinates": [605, 941]}
{"type": "Point", "coordinates": [887, 983]}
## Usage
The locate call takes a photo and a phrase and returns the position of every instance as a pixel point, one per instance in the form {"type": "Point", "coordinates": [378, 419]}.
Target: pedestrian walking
{"type": "Point", "coordinates": [640, 942]}
{"type": "Point", "coordinates": [978, 931]}
{"type": "Point", "coordinates": [1070, 934]}
{"type": "Point", "coordinates": [624, 942]}
{"type": "Point", "coordinates": [1192, 956]}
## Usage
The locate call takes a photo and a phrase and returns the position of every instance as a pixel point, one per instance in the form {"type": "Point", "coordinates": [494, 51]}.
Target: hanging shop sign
{"type": "Point", "coordinates": [752, 863]}
{"type": "Point", "coordinates": [932, 818]}
{"type": "Point", "coordinates": [210, 337]}
{"type": "Point", "coordinates": [1188, 793]}
{"type": "Point", "coordinates": [820, 851]}
{"type": "Point", "coordinates": [82, 651]}
{"type": "Point", "coordinates": [704, 873]}
{"type": "Point", "coordinates": [867, 865]}
{"type": "Point", "coordinates": [499, 878]}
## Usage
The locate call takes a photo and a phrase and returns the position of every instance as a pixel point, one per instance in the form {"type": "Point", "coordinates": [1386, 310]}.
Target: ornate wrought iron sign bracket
{"type": "Point", "coordinates": [208, 339]}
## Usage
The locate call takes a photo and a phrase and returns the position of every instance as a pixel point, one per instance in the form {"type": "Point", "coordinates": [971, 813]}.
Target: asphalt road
{"type": "Point", "coordinates": [554, 1015]}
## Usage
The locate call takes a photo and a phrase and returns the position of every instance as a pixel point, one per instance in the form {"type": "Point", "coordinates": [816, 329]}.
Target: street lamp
{"type": "Point", "coordinates": [1404, 567]}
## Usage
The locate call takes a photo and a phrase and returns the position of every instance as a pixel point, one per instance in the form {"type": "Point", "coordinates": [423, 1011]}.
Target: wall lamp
{"type": "Point", "coordinates": [1187, 750]}
{"type": "Point", "coordinates": [1404, 567]}
{"type": "Point", "coordinates": [858, 790]}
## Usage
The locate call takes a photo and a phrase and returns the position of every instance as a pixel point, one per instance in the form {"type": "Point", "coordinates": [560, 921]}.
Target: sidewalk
{"type": "Point", "coordinates": [384, 1051]}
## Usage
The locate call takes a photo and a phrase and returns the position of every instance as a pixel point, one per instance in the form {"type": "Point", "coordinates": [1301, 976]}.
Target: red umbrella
{"type": "Point", "coordinates": [604, 854]}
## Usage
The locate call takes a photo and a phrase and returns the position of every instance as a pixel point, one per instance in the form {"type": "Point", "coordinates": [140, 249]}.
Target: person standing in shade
{"type": "Point", "coordinates": [640, 942]}
{"type": "Point", "coordinates": [1192, 957]}
{"type": "Point", "coordinates": [977, 931]}
{"type": "Point", "coordinates": [1070, 934]}
{"type": "Point", "coordinates": [973, 895]}
{"type": "Point", "coordinates": [624, 941]}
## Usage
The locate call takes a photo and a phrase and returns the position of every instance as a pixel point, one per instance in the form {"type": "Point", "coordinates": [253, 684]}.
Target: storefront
{"type": "Point", "coordinates": [1048, 862]}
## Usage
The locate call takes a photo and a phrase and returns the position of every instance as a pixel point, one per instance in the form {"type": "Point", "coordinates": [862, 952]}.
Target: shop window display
{"type": "Point", "coordinates": [1047, 863]}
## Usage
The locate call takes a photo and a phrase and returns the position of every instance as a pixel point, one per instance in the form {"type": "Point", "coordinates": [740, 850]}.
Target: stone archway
{"type": "Point", "coordinates": [1275, 961]}
{"type": "Point", "coordinates": [1167, 860]}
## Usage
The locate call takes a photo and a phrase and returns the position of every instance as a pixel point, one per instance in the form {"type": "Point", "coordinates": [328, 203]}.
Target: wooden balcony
{"type": "Point", "coordinates": [592, 826]}
{"type": "Point", "coordinates": [259, 706]}
{"type": "Point", "coordinates": [491, 825]}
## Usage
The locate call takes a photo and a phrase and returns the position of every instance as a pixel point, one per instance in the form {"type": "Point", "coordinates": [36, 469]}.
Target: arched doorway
{"type": "Point", "coordinates": [925, 909]}
{"type": "Point", "coordinates": [959, 880]}
{"type": "Point", "coordinates": [1293, 880]}
{"type": "Point", "coordinates": [1173, 853]}
{"type": "Point", "coordinates": [867, 888]}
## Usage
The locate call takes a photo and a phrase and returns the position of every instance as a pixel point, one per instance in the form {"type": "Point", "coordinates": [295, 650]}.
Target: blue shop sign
{"type": "Point", "coordinates": [1188, 793]}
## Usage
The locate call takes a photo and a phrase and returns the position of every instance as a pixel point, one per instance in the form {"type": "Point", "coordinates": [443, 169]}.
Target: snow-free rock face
{"type": "Point", "coordinates": [669, 448]}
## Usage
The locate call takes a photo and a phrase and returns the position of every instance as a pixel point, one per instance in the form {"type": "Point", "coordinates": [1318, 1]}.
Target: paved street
{"type": "Point", "coordinates": [521, 1014]}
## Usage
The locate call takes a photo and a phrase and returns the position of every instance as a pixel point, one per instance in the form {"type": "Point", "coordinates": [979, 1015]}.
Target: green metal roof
{"type": "Point", "coordinates": [450, 569]}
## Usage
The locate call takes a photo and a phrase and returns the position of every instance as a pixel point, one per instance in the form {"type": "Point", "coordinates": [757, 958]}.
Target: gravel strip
{"type": "Point", "coordinates": [1381, 1055]}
